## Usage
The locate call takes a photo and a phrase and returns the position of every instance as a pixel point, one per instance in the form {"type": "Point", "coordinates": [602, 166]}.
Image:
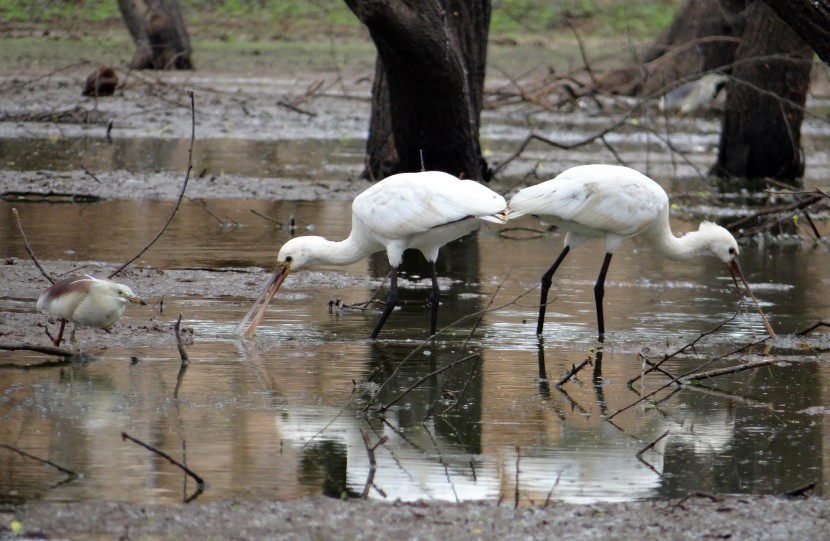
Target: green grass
{"type": "Point", "coordinates": [257, 20]}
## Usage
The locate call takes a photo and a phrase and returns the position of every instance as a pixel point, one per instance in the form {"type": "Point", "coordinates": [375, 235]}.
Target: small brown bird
{"type": "Point", "coordinates": [88, 301]}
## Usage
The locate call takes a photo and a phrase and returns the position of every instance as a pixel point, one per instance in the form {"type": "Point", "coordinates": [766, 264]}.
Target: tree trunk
{"type": "Point", "coordinates": [810, 19]}
{"type": "Point", "coordinates": [703, 36]}
{"type": "Point", "coordinates": [429, 84]}
{"type": "Point", "coordinates": [761, 134]}
{"type": "Point", "coordinates": [159, 34]}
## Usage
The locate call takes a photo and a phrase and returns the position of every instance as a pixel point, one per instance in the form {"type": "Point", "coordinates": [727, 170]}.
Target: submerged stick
{"type": "Point", "coordinates": [70, 473]}
{"type": "Point", "coordinates": [188, 471]}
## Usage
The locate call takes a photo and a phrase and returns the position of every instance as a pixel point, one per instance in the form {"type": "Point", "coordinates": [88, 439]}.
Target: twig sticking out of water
{"type": "Point", "coordinates": [373, 464]}
{"type": "Point", "coordinates": [679, 379]}
{"type": "Point", "coordinates": [572, 372]}
{"type": "Point", "coordinates": [691, 345]}
{"type": "Point", "coordinates": [812, 327]}
{"type": "Point", "coordinates": [649, 446]}
{"type": "Point", "coordinates": [434, 373]}
{"type": "Point", "coordinates": [200, 486]}
{"type": "Point", "coordinates": [29, 248]}
{"type": "Point", "coordinates": [70, 473]}
{"type": "Point", "coordinates": [516, 489]}
{"type": "Point", "coordinates": [181, 193]}
{"type": "Point", "coordinates": [182, 352]}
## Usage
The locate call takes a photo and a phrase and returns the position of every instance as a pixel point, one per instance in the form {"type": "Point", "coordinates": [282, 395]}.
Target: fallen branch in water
{"type": "Point", "coordinates": [812, 327]}
{"type": "Point", "coordinates": [70, 473]}
{"type": "Point", "coordinates": [572, 372]}
{"type": "Point", "coordinates": [728, 370]}
{"type": "Point", "coordinates": [46, 350]}
{"type": "Point", "coordinates": [200, 482]}
{"type": "Point", "coordinates": [655, 366]}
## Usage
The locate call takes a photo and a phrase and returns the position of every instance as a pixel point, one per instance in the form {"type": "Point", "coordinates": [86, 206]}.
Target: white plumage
{"type": "Point", "coordinates": [613, 203]}
{"type": "Point", "coordinates": [422, 210]}
{"type": "Point", "coordinates": [88, 301]}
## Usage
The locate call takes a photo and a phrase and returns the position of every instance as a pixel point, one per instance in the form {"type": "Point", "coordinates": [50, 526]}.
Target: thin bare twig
{"type": "Point", "coordinates": [181, 194]}
{"type": "Point", "coordinates": [29, 248]}
{"type": "Point", "coordinates": [572, 372]}
{"type": "Point", "coordinates": [812, 327]}
{"type": "Point", "coordinates": [728, 370]}
{"type": "Point", "coordinates": [188, 471]}
{"type": "Point", "coordinates": [373, 465]}
{"type": "Point", "coordinates": [652, 444]}
{"type": "Point", "coordinates": [70, 473]}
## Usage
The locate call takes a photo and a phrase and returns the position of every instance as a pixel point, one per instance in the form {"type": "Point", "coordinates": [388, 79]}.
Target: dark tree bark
{"type": "Point", "coordinates": [810, 19]}
{"type": "Point", "coordinates": [703, 36]}
{"type": "Point", "coordinates": [761, 134]}
{"type": "Point", "coordinates": [429, 84]}
{"type": "Point", "coordinates": [159, 34]}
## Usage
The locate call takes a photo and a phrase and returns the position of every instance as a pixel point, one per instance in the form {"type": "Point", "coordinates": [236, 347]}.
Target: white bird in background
{"type": "Point", "coordinates": [422, 210]}
{"type": "Point", "coordinates": [614, 203]}
{"type": "Point", "coordinates": [93, 302]}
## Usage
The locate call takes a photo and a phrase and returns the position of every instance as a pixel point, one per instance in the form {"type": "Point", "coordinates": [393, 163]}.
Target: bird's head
{"type": "Point", "coordinates": [125, 294]}
{"type": "Point", "coordinates": [719, 242]}
{"type": "Point", "coordinates": [300, 252]}
{"type": "Point", "coordinates": [294, 254]}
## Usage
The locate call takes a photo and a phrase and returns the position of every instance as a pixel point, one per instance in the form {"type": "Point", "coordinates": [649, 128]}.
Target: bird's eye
{"type": "Point", "coordinates": [733, 251]}
{"type": "Point", "coordinates": [288, 259]}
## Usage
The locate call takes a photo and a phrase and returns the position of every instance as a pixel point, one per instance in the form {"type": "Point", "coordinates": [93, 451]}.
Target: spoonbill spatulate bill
{"type": "Point", "coordinates": [85, 300]}
{"type": "Point", "coordinates": [613, 203]}
{"type": "Point", "coordinates": [422, 210]}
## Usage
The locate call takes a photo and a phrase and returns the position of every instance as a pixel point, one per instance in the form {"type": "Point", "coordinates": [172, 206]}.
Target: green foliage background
{"type": "Point", "coordinates": [277, 19]}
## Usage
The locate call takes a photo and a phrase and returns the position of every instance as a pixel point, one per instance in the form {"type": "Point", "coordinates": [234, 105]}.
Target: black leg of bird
{"type": "Point", "coordinates": [434, 299]}
{"type": "Point", "coordinates": [391, 301]}
{"type": "Point", "coordinates": [547, 280]}
{"type": "Point", "coordinates": [599, 293]}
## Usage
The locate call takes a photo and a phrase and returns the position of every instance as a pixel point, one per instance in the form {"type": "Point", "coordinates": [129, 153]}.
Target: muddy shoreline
{"type": "Point", "coordinates": [699, 516]}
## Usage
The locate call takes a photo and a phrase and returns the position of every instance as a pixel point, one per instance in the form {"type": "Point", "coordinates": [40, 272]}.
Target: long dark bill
{"type": "Point", "coordinates": [264, 299]}
{"type": "Point", "coordinates": [736, 273]}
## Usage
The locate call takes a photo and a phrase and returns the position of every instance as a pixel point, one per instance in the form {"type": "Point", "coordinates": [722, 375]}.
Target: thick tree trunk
{"type": "Point", "coordinates": [703, 37]}
{"type": "Point", "coordinates": [761, 135]}
{"type": "Point", "coordinates": [159, 33]}
{"type": "Point", "coordinates": [429, 84]}
{"type": "Point", "coordinates": [810, 19]}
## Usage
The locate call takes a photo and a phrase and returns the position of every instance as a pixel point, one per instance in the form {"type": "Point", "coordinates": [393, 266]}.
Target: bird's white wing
{"type": "Point", "coordinates": [609, 199]}
{"type": "Point", "coordinates": [408, 204]}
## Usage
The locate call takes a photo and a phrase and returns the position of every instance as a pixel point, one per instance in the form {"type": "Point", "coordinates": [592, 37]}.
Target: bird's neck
{"type": "Point", "coordinates": [344, 252]}
{"type": "Point", "coordinates": [692, 244]}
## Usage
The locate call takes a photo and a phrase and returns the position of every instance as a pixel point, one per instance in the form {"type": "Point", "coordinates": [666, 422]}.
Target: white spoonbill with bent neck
{"type": "Point", "coordinates": [613, 203]}
{"type": "Point", "coordinates": [422, 210]}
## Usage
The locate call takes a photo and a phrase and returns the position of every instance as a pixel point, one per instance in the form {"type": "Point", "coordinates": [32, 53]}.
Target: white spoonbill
{"type": "Point", "coordinates": [614, 203]}
{"type": "Point", "coordinates": [422, 210]}
{"type": "Point", "coordinates": [84, 300]}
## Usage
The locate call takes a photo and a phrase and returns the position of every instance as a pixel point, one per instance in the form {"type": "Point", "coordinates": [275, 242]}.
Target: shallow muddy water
{"type": "Point", "coordinates": [280, 416]}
